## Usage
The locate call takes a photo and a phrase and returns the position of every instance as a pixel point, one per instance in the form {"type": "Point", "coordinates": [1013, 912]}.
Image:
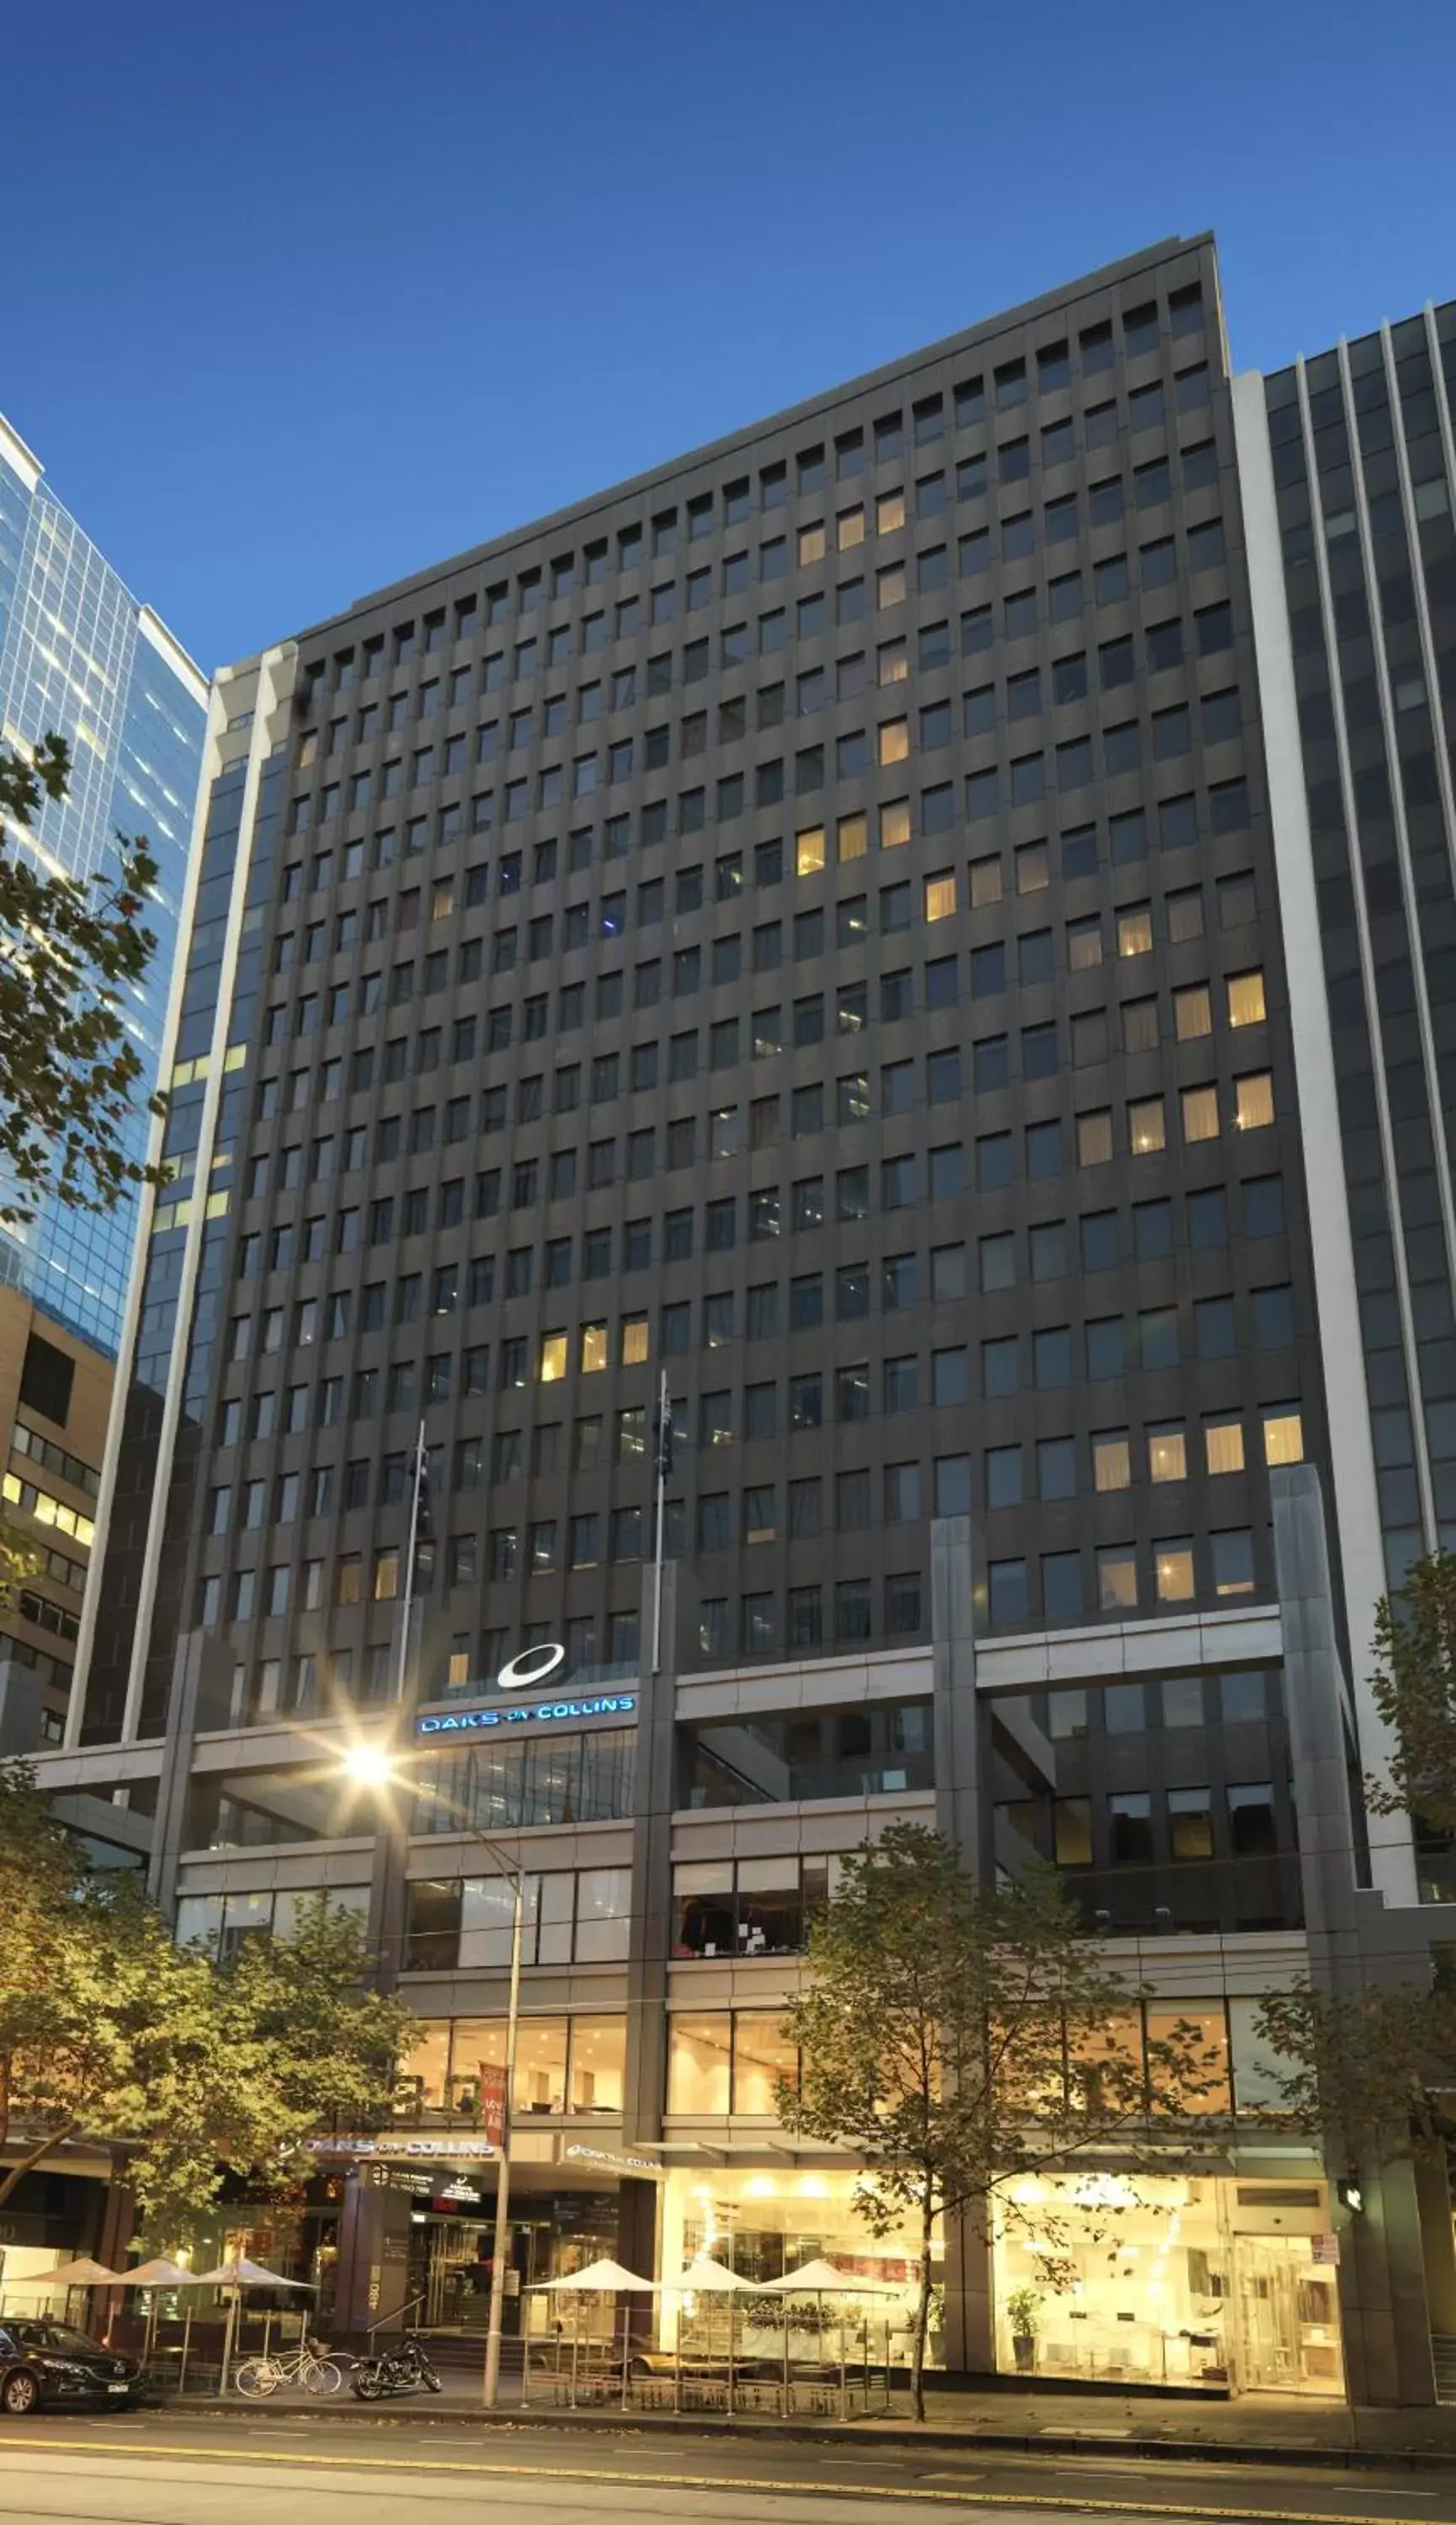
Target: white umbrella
{"type": "Point", "coordinates": [821, 2278]}
{"type": "Point", "coordinates": [708, 2278]}
{"type": "Point", "coordinates": [240, 2273]}
{"type": "Point", "coordinates": [82, 2273]}
{"type": "Point", "coordinates": [603, 2276]}
{"type": "Point", "coordinates": [158, 2274]}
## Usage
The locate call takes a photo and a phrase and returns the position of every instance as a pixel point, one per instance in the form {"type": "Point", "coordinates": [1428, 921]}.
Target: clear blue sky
{"type": "Point", "coordinates": [301, 298]}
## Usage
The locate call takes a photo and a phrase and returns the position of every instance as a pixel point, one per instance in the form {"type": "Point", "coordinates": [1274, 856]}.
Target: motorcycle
{"type": "Point", "coordinates": [400, 2368]}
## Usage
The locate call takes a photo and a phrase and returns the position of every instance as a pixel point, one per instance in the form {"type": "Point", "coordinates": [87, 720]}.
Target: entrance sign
{"type": "Point", "coordinates": [470, 1722]}
{"type": "Point", "coordinates": [531, 1667]}
{"type": "Point", "coordinates": [609, 2160]}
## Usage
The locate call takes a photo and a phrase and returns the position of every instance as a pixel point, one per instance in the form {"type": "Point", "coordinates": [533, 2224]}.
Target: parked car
{"type": "Point", "coordinates": [43, 2362]}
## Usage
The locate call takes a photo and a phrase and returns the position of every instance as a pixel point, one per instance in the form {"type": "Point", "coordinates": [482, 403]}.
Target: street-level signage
{"type": "Point", "coordinates": [441, 2148]}
{"type": "Point", "coordinates": [609, 2160]}
{"type": "Point", "coordinates": [475, 1720]}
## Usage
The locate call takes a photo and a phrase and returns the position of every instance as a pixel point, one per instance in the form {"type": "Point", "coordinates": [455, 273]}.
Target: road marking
{"type": "Point", "coordinates": [598, 2478]}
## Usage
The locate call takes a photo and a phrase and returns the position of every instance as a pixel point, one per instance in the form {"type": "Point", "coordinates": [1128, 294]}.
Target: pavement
{"type": "Point", "coordinates": [1258, 2428]}
{"type": "Point", "coordinates": [211, 2469]}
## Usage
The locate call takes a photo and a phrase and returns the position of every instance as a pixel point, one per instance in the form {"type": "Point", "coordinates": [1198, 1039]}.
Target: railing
{"type": "Point", "coordinates": [400, 2314]}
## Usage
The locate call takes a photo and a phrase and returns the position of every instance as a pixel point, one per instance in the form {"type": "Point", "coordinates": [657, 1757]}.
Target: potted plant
{"type": "Point", "coordinates": [1023, 2308]}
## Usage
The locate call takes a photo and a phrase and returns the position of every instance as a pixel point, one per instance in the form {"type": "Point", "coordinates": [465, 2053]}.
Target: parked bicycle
{"type": "Point", "coordinates": [309, 2366]}
{"type": "Point", "coordinates": [401, 2368]}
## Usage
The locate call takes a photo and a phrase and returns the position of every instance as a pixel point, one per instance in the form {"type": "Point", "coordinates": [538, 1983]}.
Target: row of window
{"type": "Point", "coordinates": [1119, 1579]}
{"type": "Point", "coordinates": [563, 2066]}
{"type": "Point", "coordinates": [1146, 1828]}
{"type": "Point", "coordinates": [1024, 694]}
{"type": "Point", "coordinates": [467, 1923]}
{"type": "Point", "coordinates": [969, 406]}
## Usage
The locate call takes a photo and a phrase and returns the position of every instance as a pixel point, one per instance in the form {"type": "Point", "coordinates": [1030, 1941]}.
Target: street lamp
{"type": "Point", "coordinates": [370, 1764]}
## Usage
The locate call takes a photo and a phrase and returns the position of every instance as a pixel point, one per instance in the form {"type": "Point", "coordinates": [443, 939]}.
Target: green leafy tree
{"type": "Point", "coordinates": [1371, 2073]}
{"type": "Point", "coordinates": [110, 2031]}
{"type": "Point", "coordinates": [1414, 1688]}
{"type": "Point", "coordinates": [961, 2039]}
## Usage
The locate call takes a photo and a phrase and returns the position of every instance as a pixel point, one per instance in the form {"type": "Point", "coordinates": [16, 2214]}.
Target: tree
{"type": "Point", "coordinates": [1414, 1688]}
{"type": "Point", "coordinates": [108, 2028]}
{"type": "Point", "coordinates": [961, 2039]}
{"type": "Point", "coordinates": [1369, 2073]}
{"type": "Point", "coordinates": [69, 948]}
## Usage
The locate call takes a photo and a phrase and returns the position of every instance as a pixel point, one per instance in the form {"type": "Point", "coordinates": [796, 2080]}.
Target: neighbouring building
{"type": "Point", "coordinates": [78, 655]}
{"type": "Point", "coordinates": [843, 923]}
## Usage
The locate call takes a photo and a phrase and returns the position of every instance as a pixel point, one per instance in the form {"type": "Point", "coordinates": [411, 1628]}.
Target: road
{"type": "Point", "coordinates": [157, 2469]}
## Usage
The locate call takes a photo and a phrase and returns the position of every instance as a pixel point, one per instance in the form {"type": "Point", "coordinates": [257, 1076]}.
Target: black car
{"type": "Point", "coordinates": [43, 2362]}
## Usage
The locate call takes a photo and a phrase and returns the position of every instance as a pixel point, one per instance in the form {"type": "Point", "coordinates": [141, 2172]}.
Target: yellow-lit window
{"type": "Point", "coordinates": [1192, 1013]}
{"type": "Point", "coordinates": [1166, 1455]}
{"type": "Point", "coordinates": [215, 1205]}
{"type": "Point", "coordinates": [1032, 870]}
{"type": "Point", "coordinates": [11, 1489]}
{"type": "Point", "coordinates": [849, 527]}
{"type": "Point", "coordinates": [1284, 1438]}
{"type": "Point", "coordinates": [809, 851]}
{"type": "Point", "coordinates": [1094, 1139]}
{"type": "Point", "coordinates": [1200, 1112]}
{"type": "Point", "coordinates": [894, 823]}
{"type": "Point", "coordinates": [1112, 1460]}
{"type": "Point", "coordinates": [852, 837]}
{"type": "Point", "coordinates": [940, 895]}
{"type": "Point", "coordinates": [893, 661]}
{"type": "Point", "coordinates": [1146, 1129]}
{"type": "Point", "coordinates": [1135, 930]}
{"type": "Point", "coordinates": [1253, 1100]}
{"type": "Point", "coordinates": [443, 899]}
{"type": "Point", "coordinates": [1222, 1446]}
{"type": "Point", "coordinates": [1246, 998]}
{"type": "Point", "coordinates": [894, 740]}
{"type": "Point", "coordinates": [458, 1666]}
{"type": "Point", "coordinates": [633, 1340]}
{"type": "Point", "coordinates": [889, 512]}
{"type": "Point", "coordinates": [1174, 1563]}
{"type": "Point", "coordinates": [386, 1577]}
{"type": "Point", "coordinates": [553, 1366]}
{"type": "Point", "coordinates": [889, 586]}
{"type": "Point", "coordinates": [346, 1581]}
{"type": "Point", "coordinates": [813, 544]}
{"type": "Point", "coordinates": [594, 1348]}
{"type": "Point", "coordinates": [1083, 943]}
{"type": "Point", "coordinates": [986, 881]}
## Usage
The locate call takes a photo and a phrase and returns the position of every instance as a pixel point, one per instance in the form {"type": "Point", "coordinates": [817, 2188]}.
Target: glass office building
{"type": "Point", "coordinates": [80, 655]}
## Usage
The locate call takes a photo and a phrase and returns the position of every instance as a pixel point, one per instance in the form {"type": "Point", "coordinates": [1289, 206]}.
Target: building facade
{"type": "Point", "coordinates": [808, 927]}
{"type": "Point", "coordinates": [79, 656]}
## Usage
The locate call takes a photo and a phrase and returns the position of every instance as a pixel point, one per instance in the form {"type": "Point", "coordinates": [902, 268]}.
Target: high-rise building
{"type": "Point", "coordinates": [80, 657]}
{"type": "Point", "coordinates": [808, 929]}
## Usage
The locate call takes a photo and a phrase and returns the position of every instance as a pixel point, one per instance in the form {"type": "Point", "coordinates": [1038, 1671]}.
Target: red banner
{"type": "Point", "coordinates": [495, 2091]}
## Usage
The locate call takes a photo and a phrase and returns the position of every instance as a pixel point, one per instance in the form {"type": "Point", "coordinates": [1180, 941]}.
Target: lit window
{"type": "Point", "coordinates": [1246, 998]}
{"type": "Point", "coordinates": [1094, 1139]}
{"type": "Point", "coordinates": [1200, 1112]}
{"type": "Point", "coordinates": [1222, 1446]}
{"type": "Point", "coordinates": [633, 1340]}
{"type": "Point", "coordinates": [1192, 1013]}
{"type": "Point", "coordinates": [1166, 1455]}
{"type": "Point", "coordinates": [889, 512]}
{"type": "Point", "coordinates": [1112, 1463]}
{"type": "Point", "coordinates": [1284, 1438]}
{"type": "Point", "coordinates": [553, 1365]}
{"type": "Point", "coordinates": [809, 851]}
{"type": "Point", "coordinates": [1135, 930]}
{"type": "Point", "coordinates": [1174, 1563]}
{"type": "Point", "coordinates": [940, 896]}
{"type": "Point", "coordinates": [849, 528]}
{"type": "Point", "coordinates": [1146, 1129]}
{"type": "Point", "coordinates": [386, 1575]}
{"type": "Point", "coordinates": [893, 661]}
{"type": "Point", "coordinates": [594, 1348]}
{"type": "Point", "coordinates": [889, 586]}
{"type": "Point", "coordinates": [1117, 1578]}
{"type": "Point", "coordinates": [894, 740]}
{"type": "Point", "coordinates": [894, 823]}
{"type": "Point", "coordinates": [853, 837]}
{"type": "Point", "coordinates": [811, 544]}
{"type": "Point", "coordinates": [1253, 1100]}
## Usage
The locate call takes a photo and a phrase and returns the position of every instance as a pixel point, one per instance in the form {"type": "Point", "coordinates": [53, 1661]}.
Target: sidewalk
{"type": "Point", "coordinates": [1259, 2428]}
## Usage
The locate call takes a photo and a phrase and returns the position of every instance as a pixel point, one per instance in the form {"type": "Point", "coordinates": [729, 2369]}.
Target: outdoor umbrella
{"type": "Point", "coordinates": [159, 2273]}
{"type": "Point", "coordinates": [83, 2274]}
{"type": "Point", "coordinates": [600, 2279]}
{"type": "Point", "coordinates": [707, 2278]}
{"type": "Point", "coordinates": [239, 2274]}
{"type": "Point", "coordinates": [820, 2279]}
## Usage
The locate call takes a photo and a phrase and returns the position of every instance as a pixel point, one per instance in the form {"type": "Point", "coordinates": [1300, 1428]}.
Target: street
{"type": "Point", "coordinates": [155, 2469]}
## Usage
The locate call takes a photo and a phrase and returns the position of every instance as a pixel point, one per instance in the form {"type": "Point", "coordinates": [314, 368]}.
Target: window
{"type": "Point", "coordinates": [1094, 1139]}
{"type": "Point", "coordinates": [1146, 1129]}
{"type": "Point", "coordinates": [1112, 1463]}
{"type": "Point", "coordinates": [1253, 1100]}
{"type": "Point", "coordinates": [1117, 1578]}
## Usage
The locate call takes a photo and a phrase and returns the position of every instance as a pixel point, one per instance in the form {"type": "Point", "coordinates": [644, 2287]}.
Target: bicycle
{"type": "Point", "coordinates": [308, 2365]}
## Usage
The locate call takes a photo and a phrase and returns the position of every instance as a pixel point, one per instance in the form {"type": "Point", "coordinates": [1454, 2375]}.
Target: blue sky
{"type": "Point", "coordinates": [305, 298]}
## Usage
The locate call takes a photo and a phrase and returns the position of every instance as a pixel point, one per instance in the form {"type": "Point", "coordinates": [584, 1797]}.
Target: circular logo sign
{"type": "Point", "coordinates": [531, 1667]}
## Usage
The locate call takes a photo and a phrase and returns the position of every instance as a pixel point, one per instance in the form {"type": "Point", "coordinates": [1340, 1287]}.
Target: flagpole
{"type": "Point", "coordinates": [410, 1552]}
{"type": "Point", "coordinates": [663, 1442]}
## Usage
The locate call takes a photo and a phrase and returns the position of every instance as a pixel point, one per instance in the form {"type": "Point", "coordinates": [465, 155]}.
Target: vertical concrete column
{"type": "Point", "coordinates": [1352, 1940]}
{"type": "Point", "coordinates": [644, 2085]}
{"type": "Point", "coordinates": [970, 2330]}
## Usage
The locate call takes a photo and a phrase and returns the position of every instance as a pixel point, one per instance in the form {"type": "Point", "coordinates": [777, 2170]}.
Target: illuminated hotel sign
{"type": "Point", "coordinates": [472, 1722]}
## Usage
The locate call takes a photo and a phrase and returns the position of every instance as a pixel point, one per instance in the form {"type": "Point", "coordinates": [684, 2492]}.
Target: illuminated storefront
{"type": "Point", "coordinates": [1189, 2280]}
